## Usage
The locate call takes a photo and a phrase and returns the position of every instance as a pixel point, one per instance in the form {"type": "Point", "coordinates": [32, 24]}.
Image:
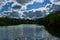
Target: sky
{"type": "Point", "coordinates": [28, 6]}
{"type": "Point", "coordinates": [36, 5]}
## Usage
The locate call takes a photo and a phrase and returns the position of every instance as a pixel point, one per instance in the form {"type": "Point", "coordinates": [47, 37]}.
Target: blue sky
{"type": "Point", "coordinates": [38, 5]}
{"type": "Point", "coordinates": [35, 5]}
{"type": "Point", "coordinates": [28, 8]}
{"type": "Point", "coordinates": [6, 6]}
{"type": "Point", "coordinates": [31, 6]}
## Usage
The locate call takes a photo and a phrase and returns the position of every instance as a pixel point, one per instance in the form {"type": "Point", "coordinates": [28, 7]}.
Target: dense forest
{"type": "Point", "coordinates": [51, 22]}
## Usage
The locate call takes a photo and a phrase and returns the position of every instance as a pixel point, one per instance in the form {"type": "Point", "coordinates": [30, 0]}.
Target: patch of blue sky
{"type": "Point", "coordinates": [36, 5]}
{"type": "Point", "coordinates": [6, 7]}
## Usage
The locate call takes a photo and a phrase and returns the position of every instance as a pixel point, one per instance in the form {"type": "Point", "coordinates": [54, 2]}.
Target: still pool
{"type": "Point", "coordinates": [25, 32]}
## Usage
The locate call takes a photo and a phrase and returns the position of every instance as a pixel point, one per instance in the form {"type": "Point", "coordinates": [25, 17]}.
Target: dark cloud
{"type": "Point", "coordinates": [23, 1]}
{"type": "Point", "coordinates": [16, 7]}
{"type": "Point", "coordinates": [32, 14]}
{"type": "Point", "coordinates": [56, 0]}
{"type": "Point", "coordinates": [56, 7]}
{"type": "Point", "coordinates": [12, 14]}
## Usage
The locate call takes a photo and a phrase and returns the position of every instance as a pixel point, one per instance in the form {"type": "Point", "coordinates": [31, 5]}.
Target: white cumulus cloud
{"type": "Point", "coordinates": [56, 2]}
{"type": "Point", "coordinates": [47, 9]}
{"type": "Point", "coordinates": [39, 1]}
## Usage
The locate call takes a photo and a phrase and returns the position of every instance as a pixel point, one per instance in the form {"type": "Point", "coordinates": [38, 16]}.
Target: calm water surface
{"type": "Point", "coordinates": [25, 32]}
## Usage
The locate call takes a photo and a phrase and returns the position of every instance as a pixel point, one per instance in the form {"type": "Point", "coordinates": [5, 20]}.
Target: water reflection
{"type": "Point", "coordinates": [25, 32]}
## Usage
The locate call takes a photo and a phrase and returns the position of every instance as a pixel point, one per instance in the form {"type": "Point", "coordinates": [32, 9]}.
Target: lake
{"type": "Point", "coordinates": [25, 32]}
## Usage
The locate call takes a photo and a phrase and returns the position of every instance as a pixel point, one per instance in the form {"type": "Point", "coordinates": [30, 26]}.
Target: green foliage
{"type": "Point", "coordinates": [53, 23]}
